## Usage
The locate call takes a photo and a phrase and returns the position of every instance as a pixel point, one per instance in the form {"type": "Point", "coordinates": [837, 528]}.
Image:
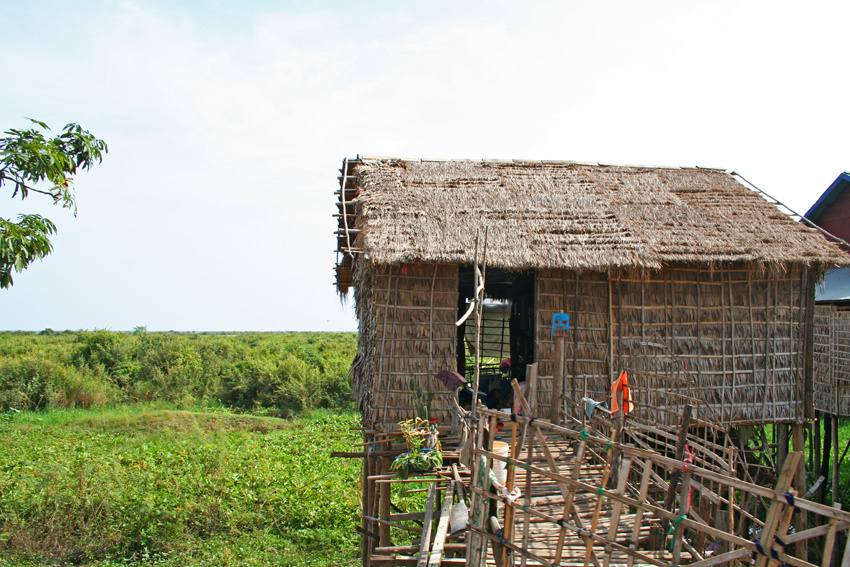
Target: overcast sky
{"type": "Point", "coordinates": [227, 123]}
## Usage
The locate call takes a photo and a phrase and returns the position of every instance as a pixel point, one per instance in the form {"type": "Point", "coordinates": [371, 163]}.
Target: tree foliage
{"type": "Point", "coordinates": [30, 161]}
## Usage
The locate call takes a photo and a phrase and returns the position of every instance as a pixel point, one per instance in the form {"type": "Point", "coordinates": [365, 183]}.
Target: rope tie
{"type": "Point", "coordinates": [672, 530]}
{"type": "Point", "coordinates": [583, 435]}
{"type": "Point", "coordinates": [773, 553]}
{"type": "Point", "coordinates": [532, 420]}
{"type": "Point", "coordinates": [780, 542]}
{"type": "Point", "coordinates": [600, 492]}
{"type": "Point", "coordinates": [500, 534]}
{"type": "Point", "coordinates": [790, 499]}
{"type": "Point", "coordinates": [513, 417]}
{"type": "Point", "coordinates": [560, 522]}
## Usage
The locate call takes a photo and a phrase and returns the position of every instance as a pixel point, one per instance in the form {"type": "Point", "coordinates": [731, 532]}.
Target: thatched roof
{"type": "Point", "coordinates": [569, 215]}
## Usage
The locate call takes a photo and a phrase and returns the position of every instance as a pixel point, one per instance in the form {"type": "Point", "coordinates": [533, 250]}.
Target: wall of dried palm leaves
{"type": "Point", "coordinates": [407, 317]}
{"type": "Point", "coordinates": [832, 360]}
{"type": "Point", "coordinates": [729, 339]}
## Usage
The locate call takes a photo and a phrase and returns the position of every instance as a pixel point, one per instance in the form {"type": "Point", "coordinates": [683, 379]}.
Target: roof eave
{"type": "Point", "coordinates": [829, 196]}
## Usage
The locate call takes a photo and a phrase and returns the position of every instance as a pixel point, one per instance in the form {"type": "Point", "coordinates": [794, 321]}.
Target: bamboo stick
{"type": "Point", "coordinates": [425, 542]}
{"type": "Point", "coordinates": [436, 555]}
{"type": "Point", "coordinates": [598, 508]}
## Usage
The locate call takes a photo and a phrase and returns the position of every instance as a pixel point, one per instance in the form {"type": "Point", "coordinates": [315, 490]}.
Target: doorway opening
{"type": "Point", "coordinates": [507, 331]}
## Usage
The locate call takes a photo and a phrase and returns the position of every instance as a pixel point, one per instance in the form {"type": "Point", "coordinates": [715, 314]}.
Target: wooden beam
{"type": "Point", "coordinates": [556, 400]}
{"type": "Point", "coordinates": [425, 542]}
{"type": "Point", "coordinates": [436, 555]}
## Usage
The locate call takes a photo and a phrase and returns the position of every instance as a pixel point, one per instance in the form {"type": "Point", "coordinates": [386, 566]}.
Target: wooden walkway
{"type": "Point", "coordinates": [585, 500]}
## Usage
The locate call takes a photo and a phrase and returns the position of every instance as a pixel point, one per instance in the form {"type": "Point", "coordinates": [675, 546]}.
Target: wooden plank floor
{"type": "Point", "coordinates": [547, 498]}
{"type": "Point", "coordinates": [543, 536]}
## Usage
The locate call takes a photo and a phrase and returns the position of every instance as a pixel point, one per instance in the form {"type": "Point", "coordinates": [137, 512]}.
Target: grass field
{"type": "Point", "coordinates": [143, 485]}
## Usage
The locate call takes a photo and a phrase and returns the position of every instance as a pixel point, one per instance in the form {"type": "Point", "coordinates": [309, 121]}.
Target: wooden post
{"type": "Point", "coordinates": [425, 541]}
{"type": "Point", "coordinates": [476, 545]}
{"type": "Point", "coordinates": [507, 558]}
{"type": "Point", "coordinates": [835, 460]}
{"type": "Point", "coordinates": [384, 506]}
{"type": "Point", "coordinates": [782, 440]}
{"type": "Point", "coordinates": [819, 494]}
{"type": "Point", "coordinates": [799, 441]}
{"type": "Point", "coordinates": [809, 367]}
{"type": "Point", "coordinates": [531, 388]}
{"type": "Point", "coordinates": [367, 495]}
{"type": "Point", "coordinates": [674, 480]}
{"type": "Point", "coordinates": [435, 556]}
{"type": "Point", "coordinates": [557, 381]}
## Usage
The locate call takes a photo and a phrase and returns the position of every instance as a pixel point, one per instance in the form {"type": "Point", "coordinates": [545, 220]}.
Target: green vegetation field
{"type": "Point", "coordinates": [177, 449]}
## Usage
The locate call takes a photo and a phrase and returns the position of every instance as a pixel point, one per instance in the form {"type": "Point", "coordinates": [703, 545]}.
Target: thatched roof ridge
{"type": "Point", "coordinates": [583, 216]}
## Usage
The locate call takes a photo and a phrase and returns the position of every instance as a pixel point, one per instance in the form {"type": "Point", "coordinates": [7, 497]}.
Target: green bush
{"type": "Point", "coordinates": [293, 371]}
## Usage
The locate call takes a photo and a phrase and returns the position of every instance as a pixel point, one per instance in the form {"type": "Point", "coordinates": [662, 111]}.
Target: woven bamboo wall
{"type": "Point", "coordinates": [824, 389]}
{"type": "Point", "coordinates": [730, 338]}
{"type": "Point", "coordinates": [412, 309]}
{"type": "Point", "coordinates": [585, 298]}
{"type": "Point", "coordinates": [832, 360]}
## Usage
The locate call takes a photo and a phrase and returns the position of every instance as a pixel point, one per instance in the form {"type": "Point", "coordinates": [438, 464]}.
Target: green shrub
{"type": "Point", "coordinates": [292, 371]}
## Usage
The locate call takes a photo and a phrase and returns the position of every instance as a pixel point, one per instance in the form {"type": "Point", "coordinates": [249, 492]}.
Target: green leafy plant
{"type": "Point", "coordinates": [423, 447]}
{"type": "Point", "coordinates": [421, 401]}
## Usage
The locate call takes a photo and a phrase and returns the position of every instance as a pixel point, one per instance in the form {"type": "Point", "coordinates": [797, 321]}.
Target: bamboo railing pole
{"type": "Point", "coordinates": [783, 484]}
{"type": "Point", "coordinates": [528, 502]}
{"type": "Point", "coordinates": [643, 491]}
{"type": "Point", "coordinates": [425, 541]}
{"type": "Point", "coordinates": [384, 507]}
{"type": "Point", "coordinates": [569, 492]}
{"type": "Point", "coordinates": [509, 511]}
{"type": "Point", "coordinates": [684, 509]}
{"type": "Point", "coordinates": [476, 552]}
{"type": "Point", "coordinates": [830, 540]}
{"type": "Point", "coordinates": [622, 479]}
{"type": "Point", "coordinates": [606, 472]}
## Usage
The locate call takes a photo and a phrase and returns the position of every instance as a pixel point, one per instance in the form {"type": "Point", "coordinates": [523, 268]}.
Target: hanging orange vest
{"type": "Point", "coordinates": [621, 384]}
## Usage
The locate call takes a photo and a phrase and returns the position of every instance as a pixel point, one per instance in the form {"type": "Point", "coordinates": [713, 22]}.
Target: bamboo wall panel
{"type": "Point", "coordinates": [729, 338]}
{"type": "Point", "coordinates": [414, 310]}
{"type": "Point", "coordinates": [585, 298]}
{"type": "Point", "coordinates": [841, 360]}
{"type": "Point", "coordinates": [732, 338]}
{"type": "Point", "coordinates": [832, 360]}
{"type": "Point", "coordinates": [824, 389]}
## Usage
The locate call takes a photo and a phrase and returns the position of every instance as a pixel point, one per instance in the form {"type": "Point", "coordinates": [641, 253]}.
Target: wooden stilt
{"type": "Point", "coordinates": [782, 444]}
{"type": "Point", "coordinates": [821, 492]}
{"type": "Point", "coordinates": [384, 507]}
{"type": "Point", "coordinates": [835, 463]}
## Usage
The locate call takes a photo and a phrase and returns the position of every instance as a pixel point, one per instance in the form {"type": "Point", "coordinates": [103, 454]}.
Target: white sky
{"type": "Point", "coordinates": [227, 122]}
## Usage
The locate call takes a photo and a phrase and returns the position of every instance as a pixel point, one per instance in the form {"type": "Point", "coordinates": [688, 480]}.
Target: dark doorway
{"type": "Point", "coordinates": [507, 330]}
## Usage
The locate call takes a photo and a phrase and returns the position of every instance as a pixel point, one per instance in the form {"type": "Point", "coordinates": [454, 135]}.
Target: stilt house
{"type": "Point", "coordinates": [680, 272]}
{"type": "Point", "coordinates": [832, 317]}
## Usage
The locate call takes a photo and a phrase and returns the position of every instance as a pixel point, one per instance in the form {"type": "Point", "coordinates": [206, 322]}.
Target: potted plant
{"type": "Point", "coordinates": [423, 447]}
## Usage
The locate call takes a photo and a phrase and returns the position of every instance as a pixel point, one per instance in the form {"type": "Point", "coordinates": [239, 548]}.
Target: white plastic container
{"type": "Point", "coordinates": [502, 449]}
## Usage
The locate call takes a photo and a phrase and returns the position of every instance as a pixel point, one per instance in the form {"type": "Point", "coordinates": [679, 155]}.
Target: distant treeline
{"type": "Point", "coordinates": [289, 371]}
